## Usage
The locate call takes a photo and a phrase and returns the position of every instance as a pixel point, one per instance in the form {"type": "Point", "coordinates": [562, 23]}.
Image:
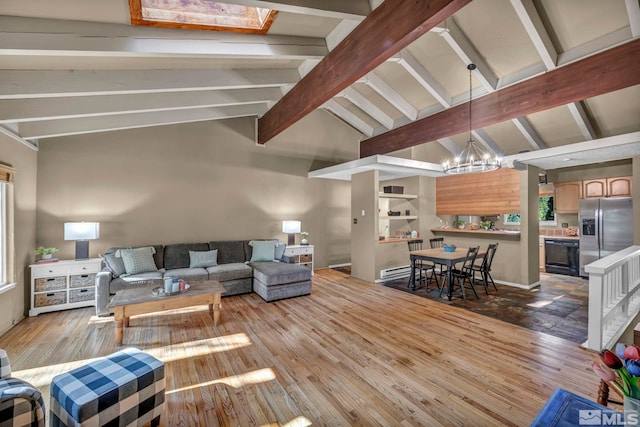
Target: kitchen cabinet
{"type": "Point", "coordinates": [607, 187]}
{"type": "Point", "coordinates": [567, 195]}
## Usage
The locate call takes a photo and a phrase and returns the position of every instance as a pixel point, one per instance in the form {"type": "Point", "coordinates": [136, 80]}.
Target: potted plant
{"type": "Point", "coordinates": [304, 235]}
{"type": "Point", "coordinates": [460, 224]}
{"type": "Point", "coordinates": [45, 253]}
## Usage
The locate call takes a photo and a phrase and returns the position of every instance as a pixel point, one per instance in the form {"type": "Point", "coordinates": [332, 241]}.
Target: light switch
{"type": "Point", "coordinates": [355, 220]}
{"type": "Point", "coordinates": [362, 212]}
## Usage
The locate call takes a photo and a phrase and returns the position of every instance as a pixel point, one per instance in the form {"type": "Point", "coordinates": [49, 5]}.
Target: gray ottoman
{"type": "Point", "coordinates": [277, 280]}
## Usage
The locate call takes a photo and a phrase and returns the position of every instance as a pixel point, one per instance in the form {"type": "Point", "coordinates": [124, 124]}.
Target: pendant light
{"type": "Point", "coordinates": [473, 158]}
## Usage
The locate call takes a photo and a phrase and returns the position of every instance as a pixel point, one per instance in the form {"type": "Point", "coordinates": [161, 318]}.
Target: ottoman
{"type": "Point", "coordinates": [278, 280]}
{"type": "Point", "coordinates": [125, 388]}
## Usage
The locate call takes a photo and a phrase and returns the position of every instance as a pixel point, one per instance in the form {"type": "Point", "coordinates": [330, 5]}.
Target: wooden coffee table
{"type": "Point", "coordinates": [132, 302]}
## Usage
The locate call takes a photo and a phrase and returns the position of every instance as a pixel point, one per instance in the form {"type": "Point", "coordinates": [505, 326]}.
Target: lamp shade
{"type": "Point", "coordinates": [290, 226]}
{"type": "Point", "coordinates": [81, 230]}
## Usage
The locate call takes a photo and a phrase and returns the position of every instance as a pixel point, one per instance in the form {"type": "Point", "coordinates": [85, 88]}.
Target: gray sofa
{"type": "Point", "coordinates": [271, 280]}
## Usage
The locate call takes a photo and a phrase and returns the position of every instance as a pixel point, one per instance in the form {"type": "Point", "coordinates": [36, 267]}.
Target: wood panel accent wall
{"type": "Point", "coordinates": [485, 193]}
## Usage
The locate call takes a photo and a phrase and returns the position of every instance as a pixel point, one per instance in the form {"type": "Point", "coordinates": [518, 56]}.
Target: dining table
{"type": "Point", "coordinates": [440, 256]}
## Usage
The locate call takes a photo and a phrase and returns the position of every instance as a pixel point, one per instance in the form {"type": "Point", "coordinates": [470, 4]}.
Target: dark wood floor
{"type": "Point", "coordinates": [352, 353]}
{"type": "Point", "coordinates": [559, 306]}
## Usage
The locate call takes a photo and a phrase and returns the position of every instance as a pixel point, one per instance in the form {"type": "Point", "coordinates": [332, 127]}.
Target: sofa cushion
{"type": "Point", "coordinates": [177, 255]}
{"type": "Point", "coordinates": [188, 274]}
{"type": "Point", "coordinates": [280, 248]}
{"type": "Point", "coordinates": [114, 264]}
{"type": "Point", "coordinates": [277, 273]}
{"type": "Point", "coordinates": [138, 260]}
{"type": "Point", "coordinates": [229, 251]}
{"type": "Point", "coordinates": [203, 259]}
{"type": "Point", "coordinates": [136, 281]}
{"type": "Point", "coordinates": [231, 271]}
{"type": "Point", "coordinates": [158, 257]}
{"type": "Point", "coordinates": [263, 250]}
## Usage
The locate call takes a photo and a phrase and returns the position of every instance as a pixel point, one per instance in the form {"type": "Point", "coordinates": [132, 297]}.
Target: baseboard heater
{"type": "Point", "coordinates": [395, 272]}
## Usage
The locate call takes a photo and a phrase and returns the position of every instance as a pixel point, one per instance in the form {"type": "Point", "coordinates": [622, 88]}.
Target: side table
{"type": "Point", "coordinates": [63, 284]}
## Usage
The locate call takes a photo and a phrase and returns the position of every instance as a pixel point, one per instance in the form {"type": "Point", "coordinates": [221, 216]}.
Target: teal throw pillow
{"type": "Point", "coordinates": [138, 260]}
{"type": "Point", "coordinates": [203, 259]}
{"type": "Point", "coordinates": [263, 250]}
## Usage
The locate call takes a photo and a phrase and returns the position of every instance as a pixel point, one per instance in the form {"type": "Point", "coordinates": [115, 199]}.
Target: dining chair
{"type": "Point", "coordinates": [438, 242]}
{"type": "Point", "coordinates": [484, 268]}
{"type": "Point", "coordinates": [465, 273]}
{"type": "Point", "coordinates": [420, 265]}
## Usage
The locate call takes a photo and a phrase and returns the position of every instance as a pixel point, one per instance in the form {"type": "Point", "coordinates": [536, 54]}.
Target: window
{"type": "Point", "coordinates": [546, 216]}
{"type": "Point", "coordinates": [201, 15]}
{"type": "Point", "coordinates": [7, 273]}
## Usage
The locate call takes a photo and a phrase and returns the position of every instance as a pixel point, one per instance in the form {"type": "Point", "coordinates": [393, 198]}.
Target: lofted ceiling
{"type": "Point", "coordinates": [75, 67]}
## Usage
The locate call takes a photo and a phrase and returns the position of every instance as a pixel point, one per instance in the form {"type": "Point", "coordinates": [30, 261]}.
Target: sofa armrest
{"type": "Point", "coordinates": [103, 295]}
{"type": "Point", "coordinates": [5, 365]}
{"type": "Point", "coordinates": [288, 259]}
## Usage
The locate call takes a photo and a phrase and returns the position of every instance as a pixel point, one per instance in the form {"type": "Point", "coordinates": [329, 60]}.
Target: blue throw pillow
{"type": "Point", "coordinates": [280, 251]}
{"type": "Point", "coordinates": [263, 250]}
{"type": "Point", "coordinates": [203, 259]}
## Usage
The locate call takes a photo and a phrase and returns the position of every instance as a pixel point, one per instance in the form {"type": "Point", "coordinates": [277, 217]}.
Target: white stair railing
{"type": "Point", "coordinates": [614, 297]}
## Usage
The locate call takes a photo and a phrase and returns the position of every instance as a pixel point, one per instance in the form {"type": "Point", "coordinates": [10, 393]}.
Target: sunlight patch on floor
{"type": "Point", "coordinates": [203, 347]}
{"type": "Point", "coordinates": [540, 304]}
{"type": "Point", "coordinates": [235, 381]}
{"type": "Point", "coordinates": [296, 422]}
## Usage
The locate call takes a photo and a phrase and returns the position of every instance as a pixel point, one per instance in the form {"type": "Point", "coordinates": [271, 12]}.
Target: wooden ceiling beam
{"type": "Point", "coordinates": [388, 29]}
{"type": "Point", "coordinates": [605, 72]}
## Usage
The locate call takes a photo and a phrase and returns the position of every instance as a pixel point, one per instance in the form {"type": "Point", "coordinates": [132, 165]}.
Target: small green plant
{"type": "Point", "coordinates": [45, 251]}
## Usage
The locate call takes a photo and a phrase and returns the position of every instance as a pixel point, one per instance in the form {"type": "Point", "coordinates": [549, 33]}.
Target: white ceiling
{"type": "Point", "coordinates": [72, 66]}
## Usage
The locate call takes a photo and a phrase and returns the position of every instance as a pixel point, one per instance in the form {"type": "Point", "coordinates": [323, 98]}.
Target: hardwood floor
{"type": "Point", "coordinates": [351, 353]}
{"type": "Point", "coordinates": [559, 306]}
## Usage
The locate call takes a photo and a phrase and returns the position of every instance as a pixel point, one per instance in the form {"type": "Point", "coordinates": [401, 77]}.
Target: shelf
{"type": "Point", "coordinates": [397, 196]}
{"type": "Point", "coordinates": [515, 235]}
{"type": "Point", "coordinates": [406, 217]}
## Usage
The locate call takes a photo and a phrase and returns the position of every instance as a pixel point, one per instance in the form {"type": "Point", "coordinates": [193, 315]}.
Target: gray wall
{"type": "Point", "coordinates": [14, 303]}
{"type": "Point", "coordinates": [197, 182]}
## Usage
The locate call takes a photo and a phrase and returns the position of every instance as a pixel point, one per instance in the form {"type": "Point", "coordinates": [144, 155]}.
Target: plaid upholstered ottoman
{"type": "Point", "coordinates": [125, 388]}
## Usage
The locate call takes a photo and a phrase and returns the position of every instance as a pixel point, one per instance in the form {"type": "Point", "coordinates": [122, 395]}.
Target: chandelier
{"type": "Point", "coordinates": [473, 158]}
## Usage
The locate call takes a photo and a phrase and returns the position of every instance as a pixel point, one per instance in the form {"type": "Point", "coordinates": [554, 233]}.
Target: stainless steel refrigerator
{"type": "Point", "coordinates": [606, 227]}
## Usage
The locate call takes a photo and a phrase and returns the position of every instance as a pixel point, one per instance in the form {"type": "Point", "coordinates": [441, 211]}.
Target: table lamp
{"type": "Point", "coordinates": [81, 232]}
{"type": "Point", "coordinates": [291, 227]}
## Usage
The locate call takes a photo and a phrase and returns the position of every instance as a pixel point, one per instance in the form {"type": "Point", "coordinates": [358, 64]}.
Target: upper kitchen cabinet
{"type": "Point", "coordinates": [607, 187]}
{"type": "Point", "coordinates": [567, 195]}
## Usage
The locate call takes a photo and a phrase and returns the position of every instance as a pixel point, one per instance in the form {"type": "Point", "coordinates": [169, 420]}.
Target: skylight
{"type": "Point", "coordinates": [201, 15]}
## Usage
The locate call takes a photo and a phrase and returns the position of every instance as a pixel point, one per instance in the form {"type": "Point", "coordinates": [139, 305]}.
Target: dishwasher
{"type": "Point", "coordinates": [562, 256]}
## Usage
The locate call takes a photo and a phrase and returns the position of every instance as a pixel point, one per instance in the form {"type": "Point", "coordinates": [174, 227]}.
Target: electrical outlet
{"type": "Point", "coordinates": [565, 224]}
{"type": "Point", "coordinates": [355, 220]}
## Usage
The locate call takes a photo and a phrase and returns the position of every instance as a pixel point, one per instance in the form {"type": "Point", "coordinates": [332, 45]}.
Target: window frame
{"type": "Point", "coordinates": [7, 249]}
{"type": "Point", "coordinates": [553, 222]}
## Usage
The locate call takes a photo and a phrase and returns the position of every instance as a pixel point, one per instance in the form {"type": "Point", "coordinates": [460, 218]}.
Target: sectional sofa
{"type": "Point", "coordinates": [236, 267]}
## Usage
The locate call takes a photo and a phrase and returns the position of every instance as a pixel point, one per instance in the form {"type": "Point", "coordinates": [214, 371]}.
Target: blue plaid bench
{"type": "Point", "coordinates": [125, 388]}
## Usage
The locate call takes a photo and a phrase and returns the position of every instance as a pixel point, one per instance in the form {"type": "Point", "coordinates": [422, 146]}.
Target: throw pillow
{"type": "Point", "coordinates": [114, 264]}
{"type": "Point", "coordinates": [138, 260]}
{"type": "Point", "coordinates": [263, 250]}
{"type": "Point", "coordinates": [280, 251]}
{"type": "Point", "coordinates": [203, 259]}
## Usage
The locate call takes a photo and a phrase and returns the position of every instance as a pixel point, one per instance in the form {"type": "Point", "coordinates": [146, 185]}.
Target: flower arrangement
{"type": "Point", "coordinates": [621, 369]}
{"type": "Point", "coordinates": [304, 234]}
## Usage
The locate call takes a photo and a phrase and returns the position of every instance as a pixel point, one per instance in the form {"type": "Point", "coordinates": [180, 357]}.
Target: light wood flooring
{"type": "Point", "coordinates": [351, 353]}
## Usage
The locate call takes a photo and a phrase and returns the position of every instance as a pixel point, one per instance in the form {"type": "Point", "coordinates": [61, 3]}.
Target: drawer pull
{"type": "Point", "coordinates": [84, 290]}
{"type": "Point", "coordinates": [50, 280]}
{"type": "Point", "coordinates": [50, 295]}
{"type": "Point", "coordinates": [85, 276]}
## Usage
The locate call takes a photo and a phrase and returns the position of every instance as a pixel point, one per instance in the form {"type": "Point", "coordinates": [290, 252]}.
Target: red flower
{"type": "Point", "coordinates": [611, 360]}
{"type": "Point", "coordinates": [632, 352]}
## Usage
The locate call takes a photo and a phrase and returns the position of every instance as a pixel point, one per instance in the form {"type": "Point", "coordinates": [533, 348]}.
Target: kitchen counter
{"type": "Point", "coordinates": [484, 233]}
{"type": "Point", "coordinates": [398, 239]}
